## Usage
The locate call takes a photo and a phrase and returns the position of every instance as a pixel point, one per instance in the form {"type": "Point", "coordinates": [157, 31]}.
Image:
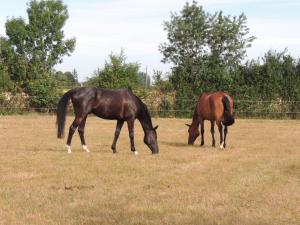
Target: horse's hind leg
{"type": "Point", "coordinates": [81, 134]}
{"type": "Point", "coordinates": [72, 129]}
{"type": "Point", "coordinates": [220, 126]}
{"type": "Point", "coordinates": [130, 124]}
{"type": "Point", "coordinates": [117, 133]}
{"type": "Point", "coordinates": [212, 131]}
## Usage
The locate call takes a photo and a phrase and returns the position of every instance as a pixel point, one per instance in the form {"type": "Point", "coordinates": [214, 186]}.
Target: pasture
{"type": "Point", "coordinates": [256, 180]}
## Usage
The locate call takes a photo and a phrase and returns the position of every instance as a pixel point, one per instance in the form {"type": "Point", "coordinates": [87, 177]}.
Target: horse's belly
{"type": "Point", "coordinates": [112, 113]}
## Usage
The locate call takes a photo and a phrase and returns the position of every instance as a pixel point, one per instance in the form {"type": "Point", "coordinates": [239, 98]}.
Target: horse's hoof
{"type": "Point", "coordinates": [85, 148]}
{"type": "Point", "coordinates": [68, 147]}
{"type": "Point", "coordinates": [222, 146]}
{"type": "Point", "coordinates": [135, 153]}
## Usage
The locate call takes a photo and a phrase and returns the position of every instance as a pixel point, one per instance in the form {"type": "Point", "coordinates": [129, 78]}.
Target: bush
{"type": "Point", "coordinates": [164, 108]}
{"type": "Point", "coordinates": [11, 103]}
{"type": "Point", "coordinates": [43, 94]}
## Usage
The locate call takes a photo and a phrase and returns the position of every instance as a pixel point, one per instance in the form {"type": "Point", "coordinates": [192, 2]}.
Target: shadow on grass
{"type": "Point", "coordinates": [181, 144]}
{"type": "Point", "coordinates": [72, 187]}
{"type": "Point", "coordinates": [175, 144]}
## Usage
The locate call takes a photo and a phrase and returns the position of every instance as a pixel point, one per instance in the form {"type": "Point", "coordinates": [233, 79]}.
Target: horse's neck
{"type": "Point", "coordinates": [195, 121]}
{"type": "Point", "coordinates": [145, 120]}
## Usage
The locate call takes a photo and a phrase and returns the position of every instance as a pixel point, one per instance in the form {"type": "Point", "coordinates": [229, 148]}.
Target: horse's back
{"type": "Point", "coordinates": [115, 104]}
{"type": "Point", "coordinates": [105, 103]}
{"type": "Point", "coordinates": [210, 105]}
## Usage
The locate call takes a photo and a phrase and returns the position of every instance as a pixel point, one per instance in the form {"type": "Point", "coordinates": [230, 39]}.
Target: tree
{"type": "Point", "coordinates": [5, 82]}
{"type": "Point", "coordinates": [196, 35]}
{"type": "Point", "coordinates": [116, 73]}
{"type": "Point", "coordinates": [161, 84]}
{"type": "Point", "coordinates": [144, 79]}
{"type": "Point", "coordinates": [44, 93]}
{"type": "Point", "coordinates": [66, 79]}
{"type": "Point", "coordinates": [5, 54]}
{"type": "Point", "coordinates": [203, 48]}
{"type": "Point", "coordinates": [74, 77]}
{"type": "Point", "coordinates": [39, 45]}
{"type": "Point", "coordinates": [274, 77]}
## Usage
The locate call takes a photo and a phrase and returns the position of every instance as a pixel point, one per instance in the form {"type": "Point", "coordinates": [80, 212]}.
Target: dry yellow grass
{"type": "Point", "coordinates": [255, 181]}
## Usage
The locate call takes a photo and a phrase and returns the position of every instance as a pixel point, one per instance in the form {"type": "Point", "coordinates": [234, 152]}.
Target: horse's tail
{"type": "Point", "coordinates": [61, 113]}
{"type": "Point", "coordinates": [228, 118]}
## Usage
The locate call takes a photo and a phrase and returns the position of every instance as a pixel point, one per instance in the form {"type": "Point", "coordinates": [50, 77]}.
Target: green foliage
{"type": "Point", "coordinates": [43, 93]}
{"type": "Point", "coordinates": [160, 83]}
{"type": "Point", "coordinates": [164, 108]}
{"type": "Point", "coordinates": [144, 80]}
{"type": "Point", "coordinates": [66, 79]}
{"type": "Point", "coordinates": [33, 49]}
{"type": "Point", "coordinates": [11, 103]}
{"type": "Point", "coordinates": [5, 82]}
{"type": "Point", "coordinates": [204, 50]}
{"type": "Point", "coordinates": [199, 36]}
{"type": "Point", "coordinates": [116, 74]}
{"type": "Point", "coordinates": [277, 77]}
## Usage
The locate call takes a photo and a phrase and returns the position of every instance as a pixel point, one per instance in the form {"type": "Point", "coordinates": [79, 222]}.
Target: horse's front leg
{"type": "Point", "coordinates": [117, 133]}
{"type": "Point", "coordinates": [225, 135]}
{"type": "Point", "coordinates": [130, 124]}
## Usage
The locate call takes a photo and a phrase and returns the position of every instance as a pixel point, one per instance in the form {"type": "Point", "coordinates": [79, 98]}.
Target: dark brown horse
{"type": "Point", "coordinates": [121, 105]}
{"type": "Point", "coordinates": [217, 106]}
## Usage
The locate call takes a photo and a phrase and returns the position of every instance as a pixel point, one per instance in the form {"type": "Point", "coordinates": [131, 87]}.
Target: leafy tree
{"type": "Point", "coordinates": [116, 73]}
{"type": "Point", "coordinates": [204, 49]}
{"type": "Point", "coordinates": [275, 76]}
{"type": "Point", "coordinates": [39, 45]}
{"type": "Point", "coordinates": [74, 77]}
{"type": "Point", "coordinates": [161, 84]}
{"type": "Point", "coordinates": [66, 79]}
{"type": "Point", "coordinates": [5, 82]}
{"type": "Point", "coordinates": [5, 50]}
{"type": "Point", "coordinates": [144, 79]}
{"type": "Point", "coordinates": [196, 35]}
{"type": "Point", "coordinates": [44, 93]}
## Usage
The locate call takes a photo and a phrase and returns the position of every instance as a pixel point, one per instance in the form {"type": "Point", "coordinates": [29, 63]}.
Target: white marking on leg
{"type": "Point", "coordinates": [222, 145]}
{"type": "Point", "coordinates": [135, 152]}
{"type": "Point", "coordinates": [85, 148]}
{"type": "Point", "coordinates": [68, 147]}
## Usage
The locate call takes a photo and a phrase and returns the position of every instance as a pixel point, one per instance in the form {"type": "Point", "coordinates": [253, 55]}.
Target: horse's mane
{"type": "Point", "coordinates": [144, 113]}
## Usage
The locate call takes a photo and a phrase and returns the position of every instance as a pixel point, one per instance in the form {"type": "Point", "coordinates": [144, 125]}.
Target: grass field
{"type": "Point", "coordinates": [255, 181]}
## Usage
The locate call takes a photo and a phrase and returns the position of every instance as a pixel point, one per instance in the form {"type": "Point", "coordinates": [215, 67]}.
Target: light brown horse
{"type": "Point", "coordinates": [216, 106]}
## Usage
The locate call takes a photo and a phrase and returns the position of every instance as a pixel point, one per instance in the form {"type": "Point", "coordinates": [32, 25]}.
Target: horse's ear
{"type": "Point", "coordinates": [187, 125]}
{"type": "Point", "coordinates": [155, 127]}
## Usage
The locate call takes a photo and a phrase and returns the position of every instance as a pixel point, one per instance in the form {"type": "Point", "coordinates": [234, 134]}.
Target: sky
{"type": "Point", "coordinates": [102, 27]}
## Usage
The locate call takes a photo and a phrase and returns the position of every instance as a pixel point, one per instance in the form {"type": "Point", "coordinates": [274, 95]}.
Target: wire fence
{"type": "Point", "coordinates": [242, 108]}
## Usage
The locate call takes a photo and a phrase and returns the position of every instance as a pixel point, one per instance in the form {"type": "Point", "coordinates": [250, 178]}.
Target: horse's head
{"type": "Point", "coordinates": [193, 133]}
{"type": "Point", "coordinates": [150, 140]}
